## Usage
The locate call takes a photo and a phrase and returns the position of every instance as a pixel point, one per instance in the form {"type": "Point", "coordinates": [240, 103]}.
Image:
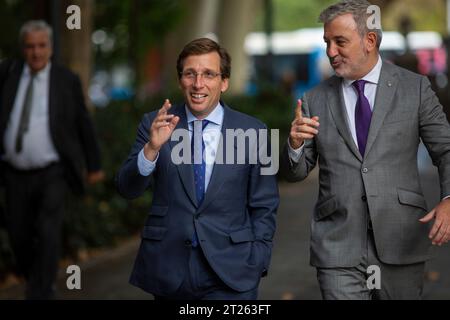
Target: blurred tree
{"type": "Point", "coordinates": [75, 45]}
{"type": "Point", "coordinates": [425, 15]}
{"type": "Point", "coordinates": [296, 14]}
{"type": "Point", "coordinates": [228, 20]}
{"type": "Point", "coordinates": [132, 27]}
{"type": "Point", "coordinates": [12, 15]}
{"type": "Point", "coordinates": [232, 36]}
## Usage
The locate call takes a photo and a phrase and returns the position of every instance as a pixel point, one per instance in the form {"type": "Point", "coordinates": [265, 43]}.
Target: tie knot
{"type": "Point", "coordinates": [202, 123]}
{"type": "Point", "coordinates": [359, 85]}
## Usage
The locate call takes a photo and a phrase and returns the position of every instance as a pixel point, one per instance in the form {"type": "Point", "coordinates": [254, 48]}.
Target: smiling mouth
{"type": "Point", "coordinates": [335, 63]}
{"type": "Point", "coordinates": [198, 95]}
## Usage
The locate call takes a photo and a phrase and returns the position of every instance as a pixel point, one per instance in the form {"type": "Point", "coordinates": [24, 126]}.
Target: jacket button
{"type": "Point", "coordinates": [188, 242]}
{"type": "Point", "coordinates": [364, 198]}
{"type": "Point", "coordinates": [365, 170]}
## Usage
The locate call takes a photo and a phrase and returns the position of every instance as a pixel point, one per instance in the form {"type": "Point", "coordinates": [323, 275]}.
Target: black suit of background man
{"type": "Point", "coordinates": [35, 194]}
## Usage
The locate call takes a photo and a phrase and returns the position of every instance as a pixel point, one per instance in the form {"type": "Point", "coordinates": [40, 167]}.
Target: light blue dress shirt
{"type": "Point", "coordinates": [211, 137]}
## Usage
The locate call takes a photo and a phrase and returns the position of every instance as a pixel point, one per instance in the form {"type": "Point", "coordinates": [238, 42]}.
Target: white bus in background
{"type": "Point", "coordinates": [299, 61]}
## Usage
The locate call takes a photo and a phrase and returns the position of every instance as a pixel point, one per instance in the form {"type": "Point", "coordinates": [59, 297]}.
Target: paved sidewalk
{"type": "Point", "coordinates": [290, 276]}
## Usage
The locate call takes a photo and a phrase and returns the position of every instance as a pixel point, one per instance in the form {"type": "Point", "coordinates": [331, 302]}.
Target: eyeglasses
{"type": "Point", "coordinates": [192, 75]}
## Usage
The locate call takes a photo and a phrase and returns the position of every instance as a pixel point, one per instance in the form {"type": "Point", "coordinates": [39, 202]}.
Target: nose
{"type": "Point", "coordinates": [332, 50]}
{"type": "Point", "coordinates": [198, 82]}
{"type": "Point", "coordinates": [35, 50]}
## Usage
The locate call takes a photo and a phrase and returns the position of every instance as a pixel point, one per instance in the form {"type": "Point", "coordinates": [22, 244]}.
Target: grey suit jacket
{"type": "Point", "coordinates": [384, 184]}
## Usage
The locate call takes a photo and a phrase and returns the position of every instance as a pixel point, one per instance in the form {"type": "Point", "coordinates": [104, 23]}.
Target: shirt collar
{"type": "Point", "coordinates": [216, 116]}
{"type": "Point", "coordinates": [373, 76]}
{"type": "Point", "coordinates": [41, 75]}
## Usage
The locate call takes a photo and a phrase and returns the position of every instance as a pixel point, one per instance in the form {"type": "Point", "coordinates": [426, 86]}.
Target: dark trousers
{"type": "Point", "coordinates": [34, 213]}
{"type": "Point", "coordinates": [202, 283]}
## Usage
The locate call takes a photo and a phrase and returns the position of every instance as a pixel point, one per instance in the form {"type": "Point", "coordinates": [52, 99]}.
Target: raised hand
{"type": "Point", "coordinates": [160, 131]}
{"type": "Point", "coordinates": [302, 128]}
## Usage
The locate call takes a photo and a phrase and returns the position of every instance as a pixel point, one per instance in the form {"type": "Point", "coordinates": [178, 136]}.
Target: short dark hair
{"type": "Point", "coordinates": [203, 46]}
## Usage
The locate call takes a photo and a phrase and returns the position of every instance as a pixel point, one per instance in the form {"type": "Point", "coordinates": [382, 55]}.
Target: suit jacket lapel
{"type": "Point", "coordinates": [53, 100]}
{"type": "Point", "coordinates": [184, 169]}
{"type": "Point", "coordinates": [10, 88]}
{"type": "Point", "coordinates": [336, 104]}
{"type": "Point", "coordinates": [383, 99]}
{"type": "Point", "coordinates": [219, 172]}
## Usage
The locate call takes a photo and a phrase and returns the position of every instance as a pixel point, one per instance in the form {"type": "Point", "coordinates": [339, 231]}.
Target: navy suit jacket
{"type": "Point", "coordinates": [235, 223]}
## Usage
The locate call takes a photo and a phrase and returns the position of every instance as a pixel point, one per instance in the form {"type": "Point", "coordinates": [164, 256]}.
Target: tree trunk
{"type": "Point", "coordinates": [239, 15]}
{"type": "Point", "coordinates": [76, 49]}
{"type": "Point", "coordinates": [200, 19]}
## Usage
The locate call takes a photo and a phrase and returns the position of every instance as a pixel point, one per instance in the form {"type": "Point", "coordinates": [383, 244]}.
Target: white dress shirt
{"type": "Point", "coordinates": [350, 99]}
{"type": "Point", "coordinates": [211, 138]}
{"type": "Point", "coordinates": [38, 150]}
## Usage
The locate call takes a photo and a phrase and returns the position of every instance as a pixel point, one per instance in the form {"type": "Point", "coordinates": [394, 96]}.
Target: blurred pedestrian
{"type": "Point", "coordinates": [46, 136]}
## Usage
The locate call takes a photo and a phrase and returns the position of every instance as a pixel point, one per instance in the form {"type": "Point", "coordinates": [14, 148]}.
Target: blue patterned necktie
{"type": "Point", "coordinates": [363, 115]}
{"type": "Point", "coordinates": [198, 164]}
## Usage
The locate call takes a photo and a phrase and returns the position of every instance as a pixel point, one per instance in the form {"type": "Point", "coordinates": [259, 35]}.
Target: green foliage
{"type": "Point", "coordinates": [272, 106]}
{"type": "Point", "coordinates": [295, 14]}
{"type": "Point", "coordinates": [12, 15]}
{"type": "Point", "coordinates": [102, 216]}
{"type": "Point", "coordinates": [136, 25]}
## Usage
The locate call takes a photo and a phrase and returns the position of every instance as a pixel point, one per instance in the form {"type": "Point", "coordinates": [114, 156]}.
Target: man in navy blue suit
{"type": "Point", "coordinates": [212, 220]}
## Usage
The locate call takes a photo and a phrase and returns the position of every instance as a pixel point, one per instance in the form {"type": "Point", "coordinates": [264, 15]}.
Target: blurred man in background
{"type": "Point", "coordinates": [47, 138]}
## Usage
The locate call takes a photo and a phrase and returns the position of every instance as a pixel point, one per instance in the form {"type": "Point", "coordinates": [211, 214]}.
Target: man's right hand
{"type": "Point", "coordinates": [302, 128]}
{"type": "Point", "coordinates": [160, 131]}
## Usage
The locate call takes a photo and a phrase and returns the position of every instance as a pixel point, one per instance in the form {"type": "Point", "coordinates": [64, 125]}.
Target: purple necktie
{"type": "Point", "coordinates": [363, 114]}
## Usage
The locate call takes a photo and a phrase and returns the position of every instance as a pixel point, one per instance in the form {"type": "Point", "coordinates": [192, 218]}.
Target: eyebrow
{"type": "Point", "coordinates": [203, 70]}
{"type": "Point", "coordinates": [335, 38]}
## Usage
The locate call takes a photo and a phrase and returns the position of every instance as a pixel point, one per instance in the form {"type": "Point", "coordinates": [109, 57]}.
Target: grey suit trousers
{"type": "Point", "coordinates": [398, 282]}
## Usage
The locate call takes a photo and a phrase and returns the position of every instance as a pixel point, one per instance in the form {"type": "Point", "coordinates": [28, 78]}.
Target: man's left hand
{"type": "Point", "coordinates": [95, 177]}
{"type": "Point", "coordinates": [440, 232]}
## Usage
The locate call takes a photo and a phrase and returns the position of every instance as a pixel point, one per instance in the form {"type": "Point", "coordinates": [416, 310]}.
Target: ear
{"type": "Point", "coordinates": [371, 41]}
{"type": "Point", "coordinates": [224, 85]}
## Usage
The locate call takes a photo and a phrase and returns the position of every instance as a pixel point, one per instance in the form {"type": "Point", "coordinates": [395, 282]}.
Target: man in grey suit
{"type": "Point", "coordinates": [210, 228]}
{"type": "Point", "coordinates": [371, 213]}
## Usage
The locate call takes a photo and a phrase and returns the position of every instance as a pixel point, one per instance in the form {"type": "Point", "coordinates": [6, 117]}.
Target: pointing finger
{"type": "Point", "coordinates": [298, 109]}
{"type": "Point", "coordinates": [165, 106]}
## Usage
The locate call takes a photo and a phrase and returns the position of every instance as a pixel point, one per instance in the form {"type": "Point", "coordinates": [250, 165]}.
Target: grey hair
{"type": "Point", "coordinates": [35, 25]}
{"type": "Point", "coordinates": [358, 9]}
